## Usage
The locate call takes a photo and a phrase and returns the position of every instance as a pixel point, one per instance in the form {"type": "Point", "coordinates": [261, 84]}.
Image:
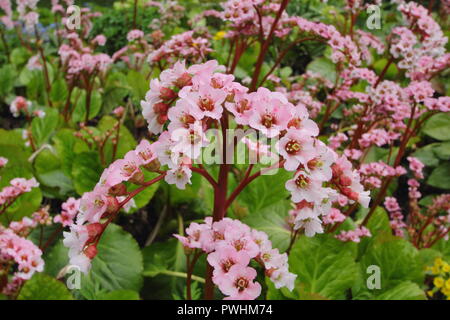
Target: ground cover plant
{"type": "Point", "coordinates": [237, 150]}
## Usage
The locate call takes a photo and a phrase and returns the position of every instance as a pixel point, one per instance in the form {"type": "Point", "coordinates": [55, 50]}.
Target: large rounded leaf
{"type": "Point", "coordinates": [44, 287]}
{"type": "Point", "coordinates": [117, 266]}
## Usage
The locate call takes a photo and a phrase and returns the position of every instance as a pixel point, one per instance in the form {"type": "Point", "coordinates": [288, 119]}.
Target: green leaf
{"type": "Point", "coordinates": [50, 174]}
{"type": "Point", "coordinates": [397, 259]}
{"type": "Point", "coordinates": [265, 190]}
{"type": "Point", "coordinates": [272, 220]}
{"type": "Point", "coordinates": [66, 146]}
{"type": "Point", "coordinates": [19, 56]}
{"type": "Point", "coordinates": [428, 155]}
{"type": "Point", "coordinates": [44, 287]}
{"type": "Point", "coordinates": [324, 265]}
{"type": "Point", "coordinates": [378, 224]}
{"type": "Point", "coordinates": [439, 178]}
{"type": "Point", "coordinates": [86, 171]}
{"type": "Point", "coordinates": [18, 167]}
{"type": "Point", "coordinates": [117, 266]}
{"type": "Point", "coordinates": [59, 91]}
{"type": "Point", "coordinates": [119, 295]}
{"type": "Point", "coordinates": [442, 150]}
{"type": "Point", "coordinates": [43, 128]}
{"type": "Point", "coordinates": [138, 84]}
{"type": "Point", "coordinates": [438, 126]}
{"type": "Point", "coordinates": [7, 79]}
{"type": "Point", "coordinates": [406, 290]}
{"type": "Point", "coordinates": [79, 98]}
{"type": "Point", "coordinates": [56, 258]}
{"type": "Point", "coordinates": [161, 259]}
{"type": "Point", "coordinates": [324, 67]}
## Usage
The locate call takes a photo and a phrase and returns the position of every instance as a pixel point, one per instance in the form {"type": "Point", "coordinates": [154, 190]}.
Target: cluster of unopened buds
{"type": "Point", "coordinates": [20, 105]}
{"type": "Point", "coordinates": [186, 45]}
{"type": "Point", "coordinates": [68, 213]}
{"type": "Point", "coordinates": [20, 254]}
{"type": "Point", "coordinates": [79, 59]}
{"type": "Point", "coordinates": [89, 216]}
{"type": "Point", "coordinates": [230, 246]}
{"type": "Point", "coordinates": [354, 235]}
{"type": "Point", "coordinates": [17, 187]}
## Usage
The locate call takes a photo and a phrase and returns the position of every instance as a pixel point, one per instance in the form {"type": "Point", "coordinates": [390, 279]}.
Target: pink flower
{"type": "Point", "coordinates": [223, 259]}
{"type": "Point", "coordinates": [18, 105]}
{"type": "Point", "coordinates": [145, 152]}
{"type": "Point", "coordinates": [207, 101]}
{"type": "Point", "coordinates": [3, 162]}
{"type": "Point", "coordinates": [238, 283]}
{"type": "Point", "coordinates": [271, 112]}
{"type": "Point", "coordinates": [135, 35]}
{"type": "Point", "coordinates": [179, 176]}
{"type": "Point", "coordinates": [296, 148]}
{"type": "Point", "coordinates": [303, 187]}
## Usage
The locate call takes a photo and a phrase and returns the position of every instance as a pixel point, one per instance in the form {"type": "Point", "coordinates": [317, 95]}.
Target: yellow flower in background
{"type": "Point", "coordinates": [430, 293]}
{"type": "Point", "coordinates": [438, 262]}
{"type": "Point", "coordinates": [435, 270]}
{"type": "Point", "coordinates": [446, 267]}
{"type": "Point", "coordinates": [220, 35]}
{"type": "Point", "coordinates": [446, 292]}
{"type": "Point", "coordinates": [438, 282]}
{"type": "Point", "coordinates": [447, 284]}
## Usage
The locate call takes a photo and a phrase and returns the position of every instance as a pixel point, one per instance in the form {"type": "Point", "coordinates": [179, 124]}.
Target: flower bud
{"type": "Point", "coordinates": [91, 251]}
{"type": "Point", "coordinates": [94, 229]}
{"type": "Point", "coordinates": [161, 108]}
{"type": "Point", "coordinates": [118, 190]}
{"type": "Point", "coordinates": [167, 94]}
{"type": "Point", "coordinates": [184, 80]}
{"type": "Point", "coordinates": [345, 181]}
{"type": "Point", "coordinates": [112, 205]}
{"type": "Point", "coordinates": [137, 178]}
{"type": "Point", "coordinates": [153, 166]}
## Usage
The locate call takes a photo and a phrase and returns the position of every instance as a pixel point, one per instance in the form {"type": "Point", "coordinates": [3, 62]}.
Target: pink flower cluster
{"type": "Point", "coordinates": [3, 162]}
{"type": "Point", "coordinates": [397, 219]}
{"type": "Point", "coordinates": [135, 35]}
{"type": "Point", "coordinates": [230, 246]}
{"type": "Point", "coordinates": [374, 173]}
{"type": "Point", "coordinates": [420, 45]}
{"type": "Point", "coordinates": [201, 96]}
{"type": "Point", "coordinates": [77, 58]}
{"type": "Point", "coordinates": [7, 17]}
{"type": "Point", "coordinates": [353, 235]}
{"type": "Point", "coordinates": [69, 211]}
{"type": "Point", "coordinates": [17, 187]}
{"type": "Point", "coordinates": [28, 14]}
{"type": "Point", "coordinates": [185, 45]}
{"type": "Point", "coordinates": [24, 226]}
{"type": "Point", "coordinates": [102, 202]}
{"type": "Point", "coordinates": [21, 255]}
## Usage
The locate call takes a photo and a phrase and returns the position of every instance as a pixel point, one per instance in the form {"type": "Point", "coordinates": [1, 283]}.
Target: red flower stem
{"type": "Point", "coordinates": [383, 72]}
{"type": "Point", "coordinates": [51, 238]}
{"type": "Point", "coordinates": [382, 193]}
{"type": "Point", "coordinates": [265, 46]}
{"type": "Point", "coordinates": [48, 86]}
